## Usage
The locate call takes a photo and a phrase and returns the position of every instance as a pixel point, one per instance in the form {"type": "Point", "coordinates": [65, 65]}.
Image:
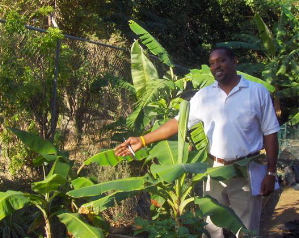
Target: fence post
{"type": "Point", "coordinates": [54, 93]}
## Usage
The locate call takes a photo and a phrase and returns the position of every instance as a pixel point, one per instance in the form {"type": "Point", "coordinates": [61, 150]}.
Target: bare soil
{"type": "Point", "coordinates": [280, 207]}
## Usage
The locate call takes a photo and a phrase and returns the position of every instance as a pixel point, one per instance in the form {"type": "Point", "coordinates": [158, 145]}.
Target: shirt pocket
{"type": "Point", "coordinates": [246, 120]}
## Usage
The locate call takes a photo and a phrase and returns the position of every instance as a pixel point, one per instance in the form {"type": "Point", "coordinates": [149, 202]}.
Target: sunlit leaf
{"type": "Point", "coordinates": [79, 228]}
{"type": "Point", "coordinates": [221, 216]}
{"type": "Point", "coordinates": [10, 201]}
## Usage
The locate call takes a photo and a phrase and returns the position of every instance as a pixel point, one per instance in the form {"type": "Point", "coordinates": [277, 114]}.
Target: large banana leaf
{"type": "Point", "coordinates": [76, 225]}
{"type": "Point", "coordinates": [152, 44]}
{"type": "Point", "coordinates": [182, 131]}
{"type": "Point", "coordinates": [37, 144]}
{"type": "Point", "coordinates": [49, 184]}
{"type": "Point", "coordinates": [265, 35]}
{"type": "Point", "coordinates": [11, 201]}
{"type": "Point", "coordinates": [142, 69]}
{"type": "Point", "coordinates": [99, 205]}
{"type": "Point", "coordinates": [155, 90]}
{"type": "Point", "coordinates": [61, 166]}
{"type": "Point", "coordinates": [198, 137]}
{"type": "Point", "coordinates": [294, 120]}
{"type": "Point", "coordinates": [170, 173]}
{"type": "Point", "coordinates": [82, 182]}
{"type": "Point", "coordinates": [201, 77]}
{"type": "Point", "coordinates": [122, 185]}
{"type": "Point", "coordinates": [108, 158]}
{"type": "Point", "coordinates": [257, 80]}
{"type": "Point", "coordinates": [166, 152]}
{"type": "Point", "coordinates": [220, 215]}
{"type": "Point", "coordinates": [218, 173]}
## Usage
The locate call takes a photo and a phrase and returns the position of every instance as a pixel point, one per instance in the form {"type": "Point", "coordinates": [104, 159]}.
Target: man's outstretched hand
{"type": "Point", "coordinates": [123, 148]}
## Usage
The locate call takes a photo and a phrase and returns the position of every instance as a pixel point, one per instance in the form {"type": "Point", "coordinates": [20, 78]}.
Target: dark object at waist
{"type": "Point", "coordinates": [227, 162]}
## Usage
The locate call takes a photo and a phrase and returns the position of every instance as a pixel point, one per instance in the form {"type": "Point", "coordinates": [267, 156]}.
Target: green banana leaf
{"type": "Point", "coordinates": [218, 173]}
{"type": "Point", "coordinates": [82, 182]}
{"type": "Point", "coordinates": [182, 131]}
{"type": "Point", "coordinates": [222, 172]}
{"type": "Point", "coordinates": [198, 137]}
{"type": "Point", "coordinates": [10, 201]}
{"type": "Point", "coordinates": [220, 215]}
{"type": "Point", "coordinates": [170, 173]}
{"type": "Point", "coordinates": [108, 158]}
{"type": "Point", "coordinates": [201, 77]}
{"type": "Point", "coordinates": [142, 69]}
{"type": "Point", "coordinates": [76, 225]}
{"type": "Point", "coordinates": [122, 185]}
{"type": "Point", "coordinates": [37, 144]}
{"type": "Point", "coordinates": [294, 120]}
{"type": "Point", "coordinates": [99, 205]}
{"type": "Point", "coordinates": [257, 80]}
{"type": "Point", "coordinates": [151, 43]}
{"type": "Point", "coordinates": [265, 35]}
{"type": "Point", "coordinates": [166, 152]}
{"type": "Point", "coordinates": [61, 166]}
{"type": "Point", "coordinates": [51, 183]}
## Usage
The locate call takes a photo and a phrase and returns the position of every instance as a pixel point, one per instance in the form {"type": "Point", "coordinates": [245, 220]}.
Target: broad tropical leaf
{"type": "Point", "coordinates": [99, 205]}
{"type": "Point", "coordinates": [166, 152]}
{"type": "Point", "coordinates": [76, 225]}
{"type": "Point", "coordinates": [183, 123]}
{"type": "Point", "coordinates": [265, 35]}
{"type": "Point", "coordinates": [155, 90]}
{"type": "Point", "coordinates": [82, 182]}
{"type": "Point", "coordinates": [61, 166]}
{"type": "Point", "coordinates": [294, 120]}
{"type": "Point", "coordinates": [142, 69]}
{"type": "Point", "coordinates": [198, 137]}
{"type": "Point", "coordinates": [122, 185]}
{"type": "Point", "coordinates": [218, 173]}
{"type": "Point", "coordinates": [258, 80]}
{"type": "Point", "coordinates": [108, 158]}
{"type": "Point", "coordinates": [49, 184]}
{"type": "Point", "coordinates": [221, 216]}
{"type": "Point", "coordinates": [201, 78]}
{"type": "Point", "coordinates": [11, 201]}
{"type": "Point", "coordinates": [170, 173]}
{"type": "Point", "coordinates": [152, 44]}
{"type": "Point", "coordinates": [37, 144]}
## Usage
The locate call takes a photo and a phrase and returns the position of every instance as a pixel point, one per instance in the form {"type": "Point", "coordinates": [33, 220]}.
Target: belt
{"type": "Point", "coordinates": [227, 162]}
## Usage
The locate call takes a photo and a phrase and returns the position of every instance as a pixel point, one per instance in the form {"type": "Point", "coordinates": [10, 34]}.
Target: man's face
{"type": "Point", "coordinates": [222, 67]}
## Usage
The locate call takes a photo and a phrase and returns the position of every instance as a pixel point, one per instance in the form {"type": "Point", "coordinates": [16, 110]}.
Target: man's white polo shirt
{"type": "Point", "coordinates": [234, 123]}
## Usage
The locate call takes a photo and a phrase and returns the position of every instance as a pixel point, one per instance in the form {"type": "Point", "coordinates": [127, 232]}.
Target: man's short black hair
{"type": "Point", "coordinates": [229, 52]}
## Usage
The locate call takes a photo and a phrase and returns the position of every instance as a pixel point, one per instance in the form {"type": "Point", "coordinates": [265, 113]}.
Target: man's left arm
{"type": "Point", "coordinates": [271, 147]}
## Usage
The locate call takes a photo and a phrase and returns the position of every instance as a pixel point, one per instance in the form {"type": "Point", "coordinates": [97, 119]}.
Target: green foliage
{"type": "Point", "coordinates": [14, 23]}
{"type": "Point", "coordinates": [191, 226]}
{"type": "Point", "coordinates": [152, 44]}
{"type": "Point", "coordinates": [48, 191]}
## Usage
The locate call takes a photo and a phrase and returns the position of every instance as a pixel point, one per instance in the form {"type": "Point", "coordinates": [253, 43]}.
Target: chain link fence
{"type": "Point", "coordinates": [289, 145]}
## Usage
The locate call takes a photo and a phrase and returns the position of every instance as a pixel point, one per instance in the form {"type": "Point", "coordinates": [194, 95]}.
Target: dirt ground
{"type": "Point", "coordinates": [280, 208]}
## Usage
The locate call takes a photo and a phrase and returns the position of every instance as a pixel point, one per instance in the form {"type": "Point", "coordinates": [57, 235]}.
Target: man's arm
{"type": "Point", "coordinates": [167, 130]}
{"type": "Point", "coordinates": [271, 147]}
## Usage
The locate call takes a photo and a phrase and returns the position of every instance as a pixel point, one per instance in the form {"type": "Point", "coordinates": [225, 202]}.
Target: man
{"type": "Point", "coordinates": [239, 121]}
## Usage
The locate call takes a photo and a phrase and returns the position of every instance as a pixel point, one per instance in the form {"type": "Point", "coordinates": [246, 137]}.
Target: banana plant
{"type": "Point", "coordinates": [166, 180]}
{"type": "Point", "coordinates": [49, 195]}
